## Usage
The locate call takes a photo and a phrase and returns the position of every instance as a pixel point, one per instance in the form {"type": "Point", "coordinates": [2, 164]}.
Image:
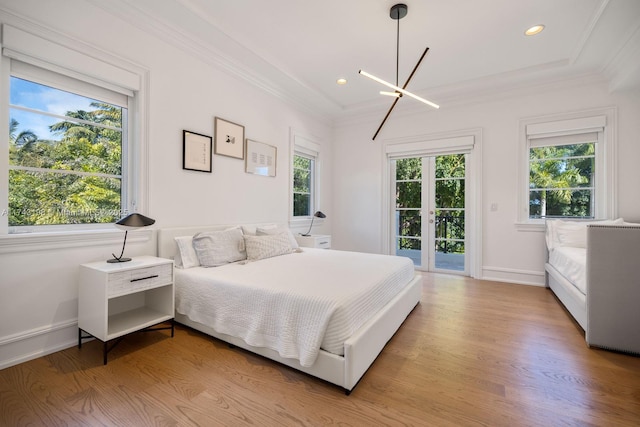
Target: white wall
{"type": "Point", "coordinates": [38, 288]}
{"type": "Point", "coordinates": [508, 254]}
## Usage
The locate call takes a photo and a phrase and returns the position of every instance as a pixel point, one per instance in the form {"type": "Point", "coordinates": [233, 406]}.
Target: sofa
{"type": "Point", "coordinates": [594, 269]}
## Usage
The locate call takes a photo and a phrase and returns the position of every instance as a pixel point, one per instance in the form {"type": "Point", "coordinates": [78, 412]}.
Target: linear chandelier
{"type": "Point", "coordinates": [398, 91]}
{"type": "Point", "coordinates": [398, 12]}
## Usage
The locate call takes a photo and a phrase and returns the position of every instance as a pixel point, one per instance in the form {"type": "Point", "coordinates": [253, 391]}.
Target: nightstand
{"type": "Point", "coordinates": [322, 241]}
{"type": "Point", "coordinates": [117, 299]}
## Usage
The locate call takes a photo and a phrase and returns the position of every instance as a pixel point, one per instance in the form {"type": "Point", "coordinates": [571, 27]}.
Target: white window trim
{"type": "Point", "coordinates": [74, 58]}
{"type": "Point", "coordinates": [600, 120]}
{"type": "Point", "coordinates": [307, 146]}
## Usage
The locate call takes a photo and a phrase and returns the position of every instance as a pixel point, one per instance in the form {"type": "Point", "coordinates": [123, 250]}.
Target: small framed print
{"type": "Point", "coordinates": [229, 138]}
{"type": "Point", "coordinates": [196, 151]}
{"type": "Point", "coordinates": [261, 158]}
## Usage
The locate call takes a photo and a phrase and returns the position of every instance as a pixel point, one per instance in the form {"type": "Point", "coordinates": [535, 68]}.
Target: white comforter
{"type": "Point", "coordinates": [293, 304]}
{"type": "Point", "coordinates": [572, 264]}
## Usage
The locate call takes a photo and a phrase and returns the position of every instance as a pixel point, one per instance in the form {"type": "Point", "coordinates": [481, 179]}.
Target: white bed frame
{"type": "Point", "coordinates": [573, 300]}
{"type": "Point", "coordinates": [360, 350]}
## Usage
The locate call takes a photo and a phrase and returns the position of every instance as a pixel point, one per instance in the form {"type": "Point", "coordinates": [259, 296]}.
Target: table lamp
{"type": "Point", "coordinates": [130, 222]}
{"type": "Point", "coordinates": [317, 214]}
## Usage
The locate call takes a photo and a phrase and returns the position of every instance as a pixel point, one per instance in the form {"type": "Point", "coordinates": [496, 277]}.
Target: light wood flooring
{"type": "Point", "coordinates": [473, 353]}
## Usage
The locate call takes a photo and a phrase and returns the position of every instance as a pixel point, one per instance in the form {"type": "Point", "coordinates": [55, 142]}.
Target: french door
{"type": "Point", "coordinates": [430, 214]}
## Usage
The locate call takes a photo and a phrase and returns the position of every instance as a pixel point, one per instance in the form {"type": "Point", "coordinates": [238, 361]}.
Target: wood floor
{"type": "Point", "coordinates": [473, 353]}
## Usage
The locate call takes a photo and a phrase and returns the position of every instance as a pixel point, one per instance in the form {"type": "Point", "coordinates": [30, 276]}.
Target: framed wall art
{"type": "Point", "coordinates": [196, 151]}
{"type": "Point", "coordinates": [261, 158]}
{"type": "Point", "coordinates": [229, 138]}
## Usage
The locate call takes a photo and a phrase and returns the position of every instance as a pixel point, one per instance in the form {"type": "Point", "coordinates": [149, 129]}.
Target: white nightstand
{"type": "Point", "coordinates": [322, 241]}
{"type": "Point", "coordinates": [117, 299]}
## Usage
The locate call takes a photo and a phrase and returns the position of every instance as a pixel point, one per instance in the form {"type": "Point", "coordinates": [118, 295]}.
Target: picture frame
{"type": "Point", "coordinates": [196, 151]}
{"type": "Point", "coordinates": [261, 158]}
{"type": "Point", "coordinates": [229, 138]}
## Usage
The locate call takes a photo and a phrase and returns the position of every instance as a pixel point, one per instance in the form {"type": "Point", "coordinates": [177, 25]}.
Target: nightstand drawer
{"type": "Point", "coordinates": [321, 241]}
{"type": "Point", "coordinates": [125, 282]}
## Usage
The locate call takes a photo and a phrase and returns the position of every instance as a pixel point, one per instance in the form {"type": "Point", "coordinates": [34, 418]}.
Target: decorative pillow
{"type": "Point", "coordinates": [250, 230]}
{"type": "Point", "coordinates": [186, 256]}
{"type": "Point", "coordinates": [266, 231]}
{"type": "Point", "coordinates": [267, 246]}
{"type": "Point", "coordinates": [217, 248]}
{"type": "Point", "coordinates": [572, 233]}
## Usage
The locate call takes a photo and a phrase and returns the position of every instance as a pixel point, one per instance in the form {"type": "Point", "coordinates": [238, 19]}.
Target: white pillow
{"type": "Point", "coordinates": [550, 233]}
{"type": "Point", "coordinates": [572, 233]}
{"type": "Point", "coordinates": [250, 230]}
{"type": "Point", "coordinates": [267, 246]}
{"type": "Point", "coordinates": [271, 230]}
{"type": "Point", "coordinates": [217, 248]}
{"type": "Point", "coordinates": [186, 256]}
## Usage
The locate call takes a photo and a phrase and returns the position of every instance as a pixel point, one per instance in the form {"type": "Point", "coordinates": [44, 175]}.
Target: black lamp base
{"type": "Point", "coordinates": [115, 260]}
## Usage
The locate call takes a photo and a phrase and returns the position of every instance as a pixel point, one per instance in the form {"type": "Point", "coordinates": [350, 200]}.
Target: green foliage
{"type": "Point", "coordinates": [47, 198]}
{"type": "Point", "coordinates": [302, 185]}
{"type": "Point", "coordinates": [561, 181]}
{"type": "Point", "coordinates": [450, 191]}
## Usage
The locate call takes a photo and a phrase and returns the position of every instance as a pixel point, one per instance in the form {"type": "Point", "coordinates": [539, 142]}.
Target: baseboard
{"type": "Point", "coordinates": [510, 275]}
{"type": "Point", "coordinates": [37, 342]}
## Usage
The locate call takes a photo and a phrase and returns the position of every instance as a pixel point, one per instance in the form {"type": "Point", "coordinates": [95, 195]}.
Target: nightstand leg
{"type": "Point", "coordinates": [104, 352]}
{"type": "Point", "coordinates": [79, 338]}
{"type": "Point", "coordinates": [173, 323]}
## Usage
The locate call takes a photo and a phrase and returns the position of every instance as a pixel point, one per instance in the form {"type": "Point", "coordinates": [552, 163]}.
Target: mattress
{"type": "Point", "coordinates": [294, 304]}
{"type": "Point", "coordinates": [572, 264]}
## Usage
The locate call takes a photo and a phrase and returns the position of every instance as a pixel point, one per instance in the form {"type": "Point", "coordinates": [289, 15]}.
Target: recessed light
{"type": "Point", "coordinates": [536, 29]}
{"type": "Point", "coordinates": [341, 81]}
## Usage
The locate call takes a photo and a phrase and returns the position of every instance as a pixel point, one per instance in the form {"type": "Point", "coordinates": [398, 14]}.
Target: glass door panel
{"type": "Point", "coordinates": [449, 211]}
{"type": "Point", "coordinates": [408, 205]}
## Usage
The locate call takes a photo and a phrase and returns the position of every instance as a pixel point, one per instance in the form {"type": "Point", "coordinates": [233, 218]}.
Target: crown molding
{"type": "Point", "coordinates": [253, 69]}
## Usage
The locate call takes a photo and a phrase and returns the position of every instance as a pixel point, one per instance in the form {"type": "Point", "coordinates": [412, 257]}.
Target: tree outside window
{"type": "Point", "coordinates": [65, 167]}
{"type": "Point", "coordinates": [561, 181]}
{"type": "Point", "coordinates": [303, 172]}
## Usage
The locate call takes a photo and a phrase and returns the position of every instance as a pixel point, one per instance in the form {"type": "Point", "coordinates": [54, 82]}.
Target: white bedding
{"type": "Point", "coordinates": [571, 263]}
{"type": "Point", "coordinates": [293, 304]}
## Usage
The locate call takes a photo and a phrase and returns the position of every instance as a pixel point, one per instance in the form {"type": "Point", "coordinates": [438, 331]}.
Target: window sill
{"type": "Point", "coordinates": [11, 243]}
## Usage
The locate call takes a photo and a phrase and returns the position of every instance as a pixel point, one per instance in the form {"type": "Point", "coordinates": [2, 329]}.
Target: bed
{"type": "Point", "coordinates": [592, 269]}
{"type": "Point", "coordinates": [323, 312]}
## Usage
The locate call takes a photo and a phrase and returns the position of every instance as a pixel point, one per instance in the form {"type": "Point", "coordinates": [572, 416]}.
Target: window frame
{"type": "Point", "coordinates": [304, 146]}
{"type": "Point", "coordinates": [54, 52]}
{"type": "Point", "coordinates": [569, 127]}
{"type": "Point", "coordinates": [62, 83]}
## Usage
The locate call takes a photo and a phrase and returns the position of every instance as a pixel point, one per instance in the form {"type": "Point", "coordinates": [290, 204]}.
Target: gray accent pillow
{"type": "Point", "coordinates": [216, 248]}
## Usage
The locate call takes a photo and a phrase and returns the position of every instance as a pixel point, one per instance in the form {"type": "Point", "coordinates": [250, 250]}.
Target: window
{"type": "Point", "coordinates": [305, 172]}
{"type": "Point", "coordinates": [568, 167]}
{"type": "Point", "coordinates": [561, 180]}
{"type": "Point", "coordinates": [303, 185]}
{"type": "Point", "coordinates": [65, 152]}
{"type": "Point", "coordinates": [76, 153]}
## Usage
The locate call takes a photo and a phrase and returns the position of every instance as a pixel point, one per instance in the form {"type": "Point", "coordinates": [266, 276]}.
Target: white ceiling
{"type": "Point", "coordinates": [296, 49]}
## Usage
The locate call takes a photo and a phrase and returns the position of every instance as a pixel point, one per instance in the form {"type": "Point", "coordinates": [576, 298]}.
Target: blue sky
{"type": "Point", "coordinates": [43, 98]}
